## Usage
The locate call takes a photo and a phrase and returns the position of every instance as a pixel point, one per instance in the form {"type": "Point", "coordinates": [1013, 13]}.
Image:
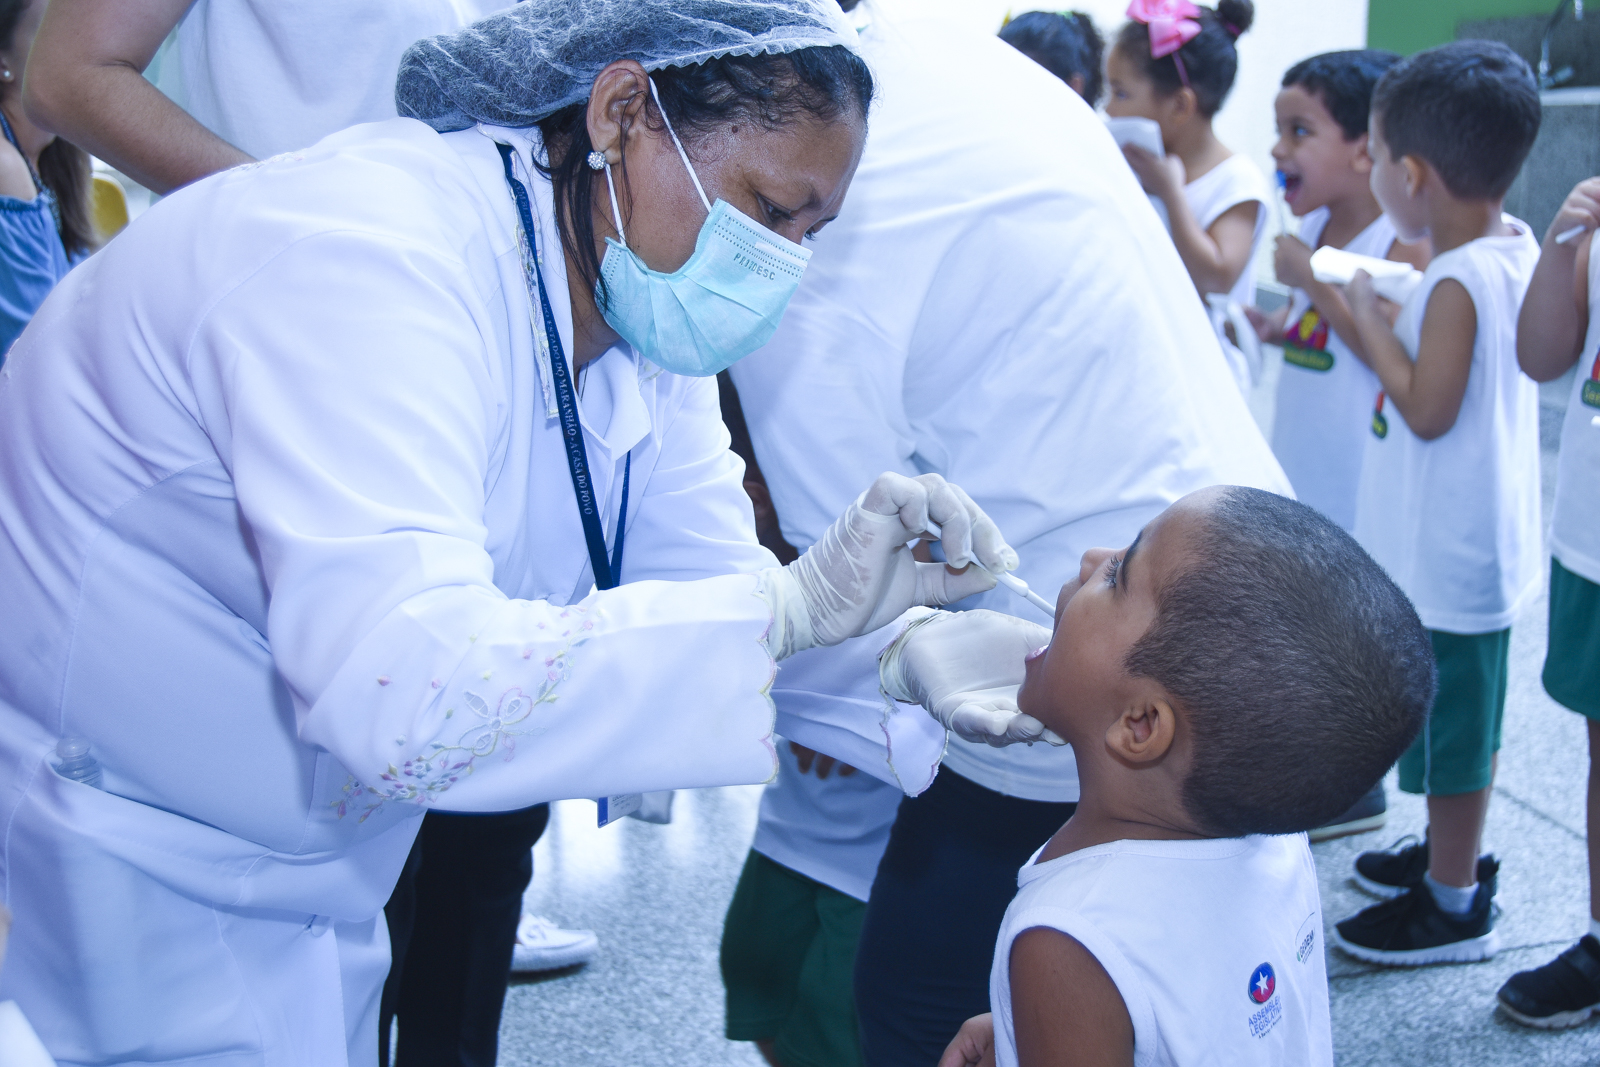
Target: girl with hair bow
{"type": "Point", "coordinates": [1174, 63]}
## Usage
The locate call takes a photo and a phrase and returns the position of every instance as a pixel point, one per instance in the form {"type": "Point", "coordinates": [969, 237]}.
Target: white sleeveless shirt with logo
{"type": "Point", "coordinates": [1455, 520]}
{"type": "Point", "coordinates": [1575, 522]}
{"type": "Point", "coordinates": [1215, 946]}
{"type": "Point", "coordinates": [1325, 394]}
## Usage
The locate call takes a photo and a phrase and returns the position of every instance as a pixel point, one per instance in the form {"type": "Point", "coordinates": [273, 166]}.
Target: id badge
{"type": "Point", "coordinates": [618, 807]}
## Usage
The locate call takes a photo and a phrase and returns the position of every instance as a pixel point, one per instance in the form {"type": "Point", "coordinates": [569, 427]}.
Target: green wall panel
{"type": "Point", "coordinates": [1408, 26]}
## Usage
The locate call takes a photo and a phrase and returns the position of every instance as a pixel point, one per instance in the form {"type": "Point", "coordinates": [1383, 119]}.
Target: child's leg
{"type": "Point", "coordinates": [1461, 744]}
{"type": "Point", "coordinates": [1566, 991]}
{"type": "Point", "coordinates": [1455, 836]}
{"type": "Point", "coordinates": [1594, 820]}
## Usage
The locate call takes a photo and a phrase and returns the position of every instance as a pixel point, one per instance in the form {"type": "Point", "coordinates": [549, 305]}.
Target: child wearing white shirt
{"type": "Point", "coordinates": [1177, 71]}
{"type": "Point", "coordinates": [1236, 676]}
{"type": "Point", "coordinates": [1560, 326]}
{"type": "Point", "coordinates": [1449, 493]}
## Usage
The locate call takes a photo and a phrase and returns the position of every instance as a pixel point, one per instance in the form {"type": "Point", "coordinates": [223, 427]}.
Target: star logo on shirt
{"type": "Point", "coordinates": [1263, 983]}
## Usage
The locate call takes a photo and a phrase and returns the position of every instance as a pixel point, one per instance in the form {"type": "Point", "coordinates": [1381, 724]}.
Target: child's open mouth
{"type": "Point", "coordinates": [1290, 184]}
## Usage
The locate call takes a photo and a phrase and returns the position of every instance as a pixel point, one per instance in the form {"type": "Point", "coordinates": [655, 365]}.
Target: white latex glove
{"type": "Point", "coordinates": [965, 667]}
{"type": "Point", "coordinates": [861, 575]}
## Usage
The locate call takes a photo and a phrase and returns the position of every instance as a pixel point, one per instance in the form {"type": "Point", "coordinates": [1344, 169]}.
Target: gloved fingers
{"type": "Point", "coordinates": [1025, 728]}
{"type": "Point", "coordinates": [894, 495]}
{"type": "Point", "coordinates": [988, 543]}
{"type": "Point", "coordinates": [938, 585]}
{"type": "Point", "coordinates": [982, 723]}
{"type": "Point", "coordinates": [1052, 738]}
{"type": "Point", "coordinates": [952, 510]}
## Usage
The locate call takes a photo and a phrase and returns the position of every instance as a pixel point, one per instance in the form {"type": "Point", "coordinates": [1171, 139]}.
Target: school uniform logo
{"type": "Point", "coordinates": [1591, 388]}
{"type": "Point", "coordinates": [1305, 344]}
{"type": "Point", "coordinates": [1263, 983]}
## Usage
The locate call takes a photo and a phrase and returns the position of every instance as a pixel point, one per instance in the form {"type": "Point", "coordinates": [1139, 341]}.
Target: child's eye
{"type": "Point", "coordinates": [1112, 568]}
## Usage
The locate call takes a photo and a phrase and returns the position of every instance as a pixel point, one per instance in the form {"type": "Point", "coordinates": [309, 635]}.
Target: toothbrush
{"type": "Point", "coordinates": [1010, 581]}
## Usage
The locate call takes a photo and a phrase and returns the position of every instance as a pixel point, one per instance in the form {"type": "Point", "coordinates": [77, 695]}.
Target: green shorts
{"type": "Point", "coordinates": [1572, 664]}
{"type": "Point", "coordinates": [1455, 751]}
{"type": "Point", "coordinates": [788, 962]}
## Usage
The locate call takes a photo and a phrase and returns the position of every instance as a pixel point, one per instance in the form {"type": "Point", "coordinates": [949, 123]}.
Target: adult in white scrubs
{"type": "Point", "coordinates": [302, 514]}
{"type": "Point", "coordinates": [997, 303]}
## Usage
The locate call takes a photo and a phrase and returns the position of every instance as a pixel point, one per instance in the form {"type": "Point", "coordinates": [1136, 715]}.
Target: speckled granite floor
{"type": "Point", "coordinates": [656, 895]}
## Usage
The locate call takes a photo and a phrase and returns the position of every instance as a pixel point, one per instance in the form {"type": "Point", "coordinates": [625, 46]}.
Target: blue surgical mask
{"type": "Point", "coordinates": [722, 304]}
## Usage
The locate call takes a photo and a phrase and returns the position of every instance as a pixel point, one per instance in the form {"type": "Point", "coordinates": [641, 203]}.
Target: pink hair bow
{"type": "Point", "coordinates": [1173, 23]}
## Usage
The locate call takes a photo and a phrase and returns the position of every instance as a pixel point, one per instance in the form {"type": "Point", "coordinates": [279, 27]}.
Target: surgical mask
{"type": "Point", "coordinates": [722, 304]}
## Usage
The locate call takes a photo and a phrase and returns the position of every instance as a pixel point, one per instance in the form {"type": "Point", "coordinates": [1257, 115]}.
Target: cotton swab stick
{"type": "Point", "coordinates": [1567, 235]}
{"type": "Point", "coordinates": [1010, 581]}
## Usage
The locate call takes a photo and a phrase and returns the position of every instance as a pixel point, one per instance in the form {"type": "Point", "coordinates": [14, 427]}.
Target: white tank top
{"type": "Point", "coordinates": [1234, 181]}
{"type": "Point", "coordinates": [1455, 520]}
{"type": "Point", "coordinates": [1215, 946]}
{"type": "Point", "coordinates": [1325, 394]}
{"type": "Point", "coordinates": [1575, 522]}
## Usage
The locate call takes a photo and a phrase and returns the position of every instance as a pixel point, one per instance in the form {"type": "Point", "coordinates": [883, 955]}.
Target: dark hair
{"type": "Point", "coordinates": [63, 167]}
{"type": "Point", "coordinates": [1343, 81]}
{"type": "Point", "coordinates": [1470, 108]}
{"type": "Point", "coordinates": [1302, 668]}
{"type": "Point", "coordinates": [1210, 58]}
{"type": "Point", "coordinates": [1065, 43]}
{"type": "Point", "coordinates": [769, 90]}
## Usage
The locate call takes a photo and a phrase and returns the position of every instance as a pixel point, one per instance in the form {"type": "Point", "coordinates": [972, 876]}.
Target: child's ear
{"type": "Point", "coordinates": [1361, 162]}
{"type": "Point", "coordinates": [1416, 169]}
{"type": "Point", "coordinates": [1185, 105]}
{"type": "Point", "coordinates": [1144, 731]}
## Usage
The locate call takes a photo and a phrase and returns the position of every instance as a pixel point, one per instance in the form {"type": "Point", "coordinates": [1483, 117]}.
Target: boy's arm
{"type": "Point", "coordinates": [1428, 392]}
{"type": "Point", "coordinates": [1065, 1007]}
{"type": "Point", "coordinates": [1555, 313]}
{"type": "Point", "coordinates": [1292, 263]}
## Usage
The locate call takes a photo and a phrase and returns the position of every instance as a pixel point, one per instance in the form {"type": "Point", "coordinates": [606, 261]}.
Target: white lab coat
{"type": "Point", "coordinates": [287, 533]}
{"type": "Point", "coordinates": [997, 303]}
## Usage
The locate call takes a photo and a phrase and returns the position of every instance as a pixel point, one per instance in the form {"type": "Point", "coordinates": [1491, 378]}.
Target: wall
{"type": "Point", "coordinates": [1407, 26]}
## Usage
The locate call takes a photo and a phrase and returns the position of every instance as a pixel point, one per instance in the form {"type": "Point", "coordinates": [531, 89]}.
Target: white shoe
{"type": "Point", "coordinates": [544, 946]}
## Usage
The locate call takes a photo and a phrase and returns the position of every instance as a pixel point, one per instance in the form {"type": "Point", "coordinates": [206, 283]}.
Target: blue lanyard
{"type": "Point", "coordinates": [607, 573]}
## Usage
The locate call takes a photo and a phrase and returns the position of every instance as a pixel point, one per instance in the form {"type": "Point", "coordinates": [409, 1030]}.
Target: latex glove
{"type": "Point", "coordinates": [861, 575]}
{"type": "Point", "coordinates": [964, 667]}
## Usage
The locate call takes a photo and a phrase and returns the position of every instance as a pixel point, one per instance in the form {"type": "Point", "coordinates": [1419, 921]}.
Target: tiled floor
{"type": "Point", "coordinates": [656, 895]}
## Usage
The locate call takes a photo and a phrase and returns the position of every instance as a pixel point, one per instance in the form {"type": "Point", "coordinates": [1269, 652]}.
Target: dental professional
{"type": "Point", "coordinates": [387, 475]}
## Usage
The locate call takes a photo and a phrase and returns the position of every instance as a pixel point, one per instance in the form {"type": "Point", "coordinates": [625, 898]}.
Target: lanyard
{"type": "Point", "coordinates": [607, 573]}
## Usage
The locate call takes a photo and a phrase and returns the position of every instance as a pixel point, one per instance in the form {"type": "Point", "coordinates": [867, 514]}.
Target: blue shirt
{"type": "Point", "coordinates": [32, 260]}
{"type": "Point", "coordinates": [32, 257]}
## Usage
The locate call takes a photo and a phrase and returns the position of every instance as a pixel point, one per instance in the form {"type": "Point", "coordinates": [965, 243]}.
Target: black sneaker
{"type": "Point", "coordinates": [1389, 873]}
{"type": "Point", "coordinates": [1412, 930]}
{"type": "Point", "coordinates": [1562, 993]}
{"type": "Point", "coordinates": [1368, 813]}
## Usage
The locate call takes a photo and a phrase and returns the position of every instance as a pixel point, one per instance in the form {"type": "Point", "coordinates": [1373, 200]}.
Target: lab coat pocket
{"type": "Point", "coordinates": [110, 963]}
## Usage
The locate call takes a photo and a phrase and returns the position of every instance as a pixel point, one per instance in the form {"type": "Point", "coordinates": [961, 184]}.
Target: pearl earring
{"type": "Point", "coordinates": [5, 74]}
{"type": "Point", "coordinates": [597, 160]}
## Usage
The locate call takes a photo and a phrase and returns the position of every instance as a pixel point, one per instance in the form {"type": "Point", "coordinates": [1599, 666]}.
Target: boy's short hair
{"type": "Point", "coordinates": [1302, 669]}
{"type": "Point", "coordinates": [1470, 108]}
{"type": "Point", "coordinates": [1343, 81]}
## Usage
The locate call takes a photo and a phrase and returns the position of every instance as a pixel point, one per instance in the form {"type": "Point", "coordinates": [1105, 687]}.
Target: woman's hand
{"type": "Point", "coordinates": [964, 667]}
{"type": "Point", "coordinates": [1161, 176]}
{"type": "Point", "coordinates": [973, 1045]}
{"type": "Point", "coordinates": [861, 576]}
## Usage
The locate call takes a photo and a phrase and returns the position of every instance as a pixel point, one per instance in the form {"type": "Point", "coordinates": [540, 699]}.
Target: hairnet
{"type": "Point", "coordinates": [530, 61]}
